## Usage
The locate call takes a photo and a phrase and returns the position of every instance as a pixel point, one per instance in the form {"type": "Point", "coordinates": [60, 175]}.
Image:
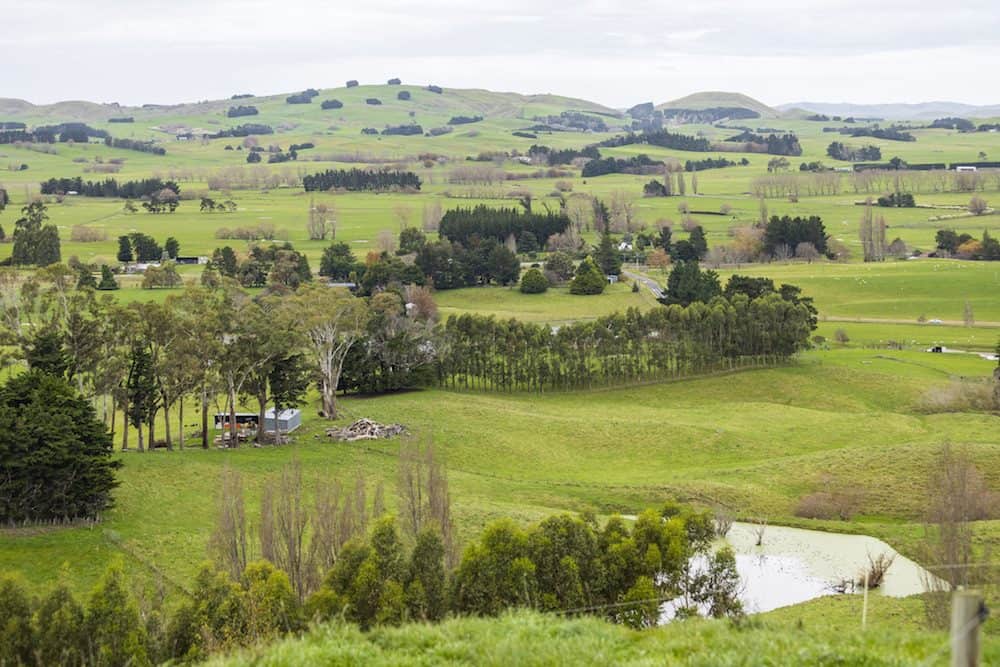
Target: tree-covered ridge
{"type": "Point", "coordinates": [361, 179]}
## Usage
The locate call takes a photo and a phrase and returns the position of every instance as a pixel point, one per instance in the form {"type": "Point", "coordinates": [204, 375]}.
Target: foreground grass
{"type": "Point", "coordinates": [525, 638]}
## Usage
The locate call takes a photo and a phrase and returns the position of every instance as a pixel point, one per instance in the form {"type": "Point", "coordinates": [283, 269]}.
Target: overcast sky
{"type": "Point", "coordinates": [614, 52]}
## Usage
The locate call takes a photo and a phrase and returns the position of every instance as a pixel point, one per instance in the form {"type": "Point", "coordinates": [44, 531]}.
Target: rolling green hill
{"type": "Point", "coordinates": [710, 99]}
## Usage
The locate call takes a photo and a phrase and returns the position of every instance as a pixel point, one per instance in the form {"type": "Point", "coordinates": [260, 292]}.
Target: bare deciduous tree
{"type": "Point", "coordinates": [957, 496]}
{"type": "Point", "coordinates": [228, 542]}
{"type": "Point", "coordinates": [424, 499]}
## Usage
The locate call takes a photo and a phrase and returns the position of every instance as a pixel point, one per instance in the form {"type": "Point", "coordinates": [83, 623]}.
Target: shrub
{"type": "Point", "coordinates": [331, 104]}
{"type": "Point", "coordinates": [588, 279]}
{"type": "Point", "coordinates": [352, 83]}
{"type": "Point", "coordinates": [84, 234]}
{"type": "Point", "coordinates": [403, 95]}
{"type": "Point", "coordinates": [374, 101]}
{"type": "Point", "coordinates": [828, 505]}
{"type": "Point", "coordinates": [534, 282]}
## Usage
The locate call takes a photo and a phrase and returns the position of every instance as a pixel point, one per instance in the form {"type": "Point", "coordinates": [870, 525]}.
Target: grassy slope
{"type": "Point", "coordinates": [829, 635]}
{"type": "Point", "coordinates": [756, 440]}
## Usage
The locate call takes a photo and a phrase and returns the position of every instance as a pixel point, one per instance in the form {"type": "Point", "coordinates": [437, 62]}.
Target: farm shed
{"type": "Point", "coordinates": [288, 420]}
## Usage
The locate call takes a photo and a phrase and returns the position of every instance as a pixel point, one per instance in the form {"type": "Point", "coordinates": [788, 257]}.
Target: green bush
{"type": "Point", "coordinates": [534, 282]}
{"type": "Point", "coordinates": [588, 279]}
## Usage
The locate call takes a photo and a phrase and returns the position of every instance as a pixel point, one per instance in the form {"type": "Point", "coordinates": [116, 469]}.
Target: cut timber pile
{"type": "Point", "coordinates": [365, 429]}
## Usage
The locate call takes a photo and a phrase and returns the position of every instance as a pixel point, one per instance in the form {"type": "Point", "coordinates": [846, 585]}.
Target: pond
{"type": "Point", "coordinates": [794, 565]}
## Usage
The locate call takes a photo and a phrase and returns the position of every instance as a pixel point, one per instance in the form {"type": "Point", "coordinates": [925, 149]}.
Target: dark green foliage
{"type": "Point", "coordinates": [838, 151]}
{"type": "Point", "coordinates": [47, 354]}
{"type": "Point", "coordinates": [698, 241]}
{"type": "Point", "coordinates": [426, 590]}
{"type": "Point", "coordinates": [60, 637]}
{"type": "Point", "coordinates": [85, 279]}
{"type": "Point", "coordinates": [688, 284]}
{"type": "Point", "coordinates": [135, 145]}
{"type": "Point", "coordinates": [253, 157]}
{"type": "Point", "coordinates": [244, 130]}
{"type": "Point", "coordinates": [387, 271]}
{"type": "Point", "coordinates": [640, 164]}
{"type": "Point", "coordinates": [534, 282]}
{"type": "Point", "coordinates": [588, 278]}
{"type": "Point", "coordinates": [464, 120]}
{"type": "Point", "coordinates": [684, 251]}
{"type": "Point", "coordinates": [241, 110]}
{"type": "Point", "coordinates": [403, 95]}
{"type": "Point", "coordinates": [897, 200]}
{"type": "Point", "coordinates": [143, 247]}
{"type": "Point", "coordinates": [461, 224]}
{"type": "Point", "coordinates": [655, 189]}
{"type": "Point", "coordinates": [109, 187]}
{"type": "Point", "coordinates": [952, 123]}
{"type": "Point", "coordinates": [790, 232]}
{"type": "Point", "coordinates": [224, 260]}
{"type": "Point", "coordinates": [660, 344]}
{"type": "Point", "coordinates": [713, 163]}
{"type": "Point", "coordinates": [338, 262]}
{"type": "Point", "coordinates": [773, 144]}
{"type": "Point", "coordinates": [662, 138]}
{"type": "Point", "coordinates": [889, 133]}
{"type": "Point", "coordinates": [34, 242]}
{"type": "Point", "coordinates": [172, 247]}
{"type": "Point", "coordinates": [560, 266]}
{"type": "Point", "coordinates": [15, 623]}
{"type": "Point", "coordinates": [124, 249]}
{"type": "Point", "coordinates": [360, 179]}
{"type": "Point", "coordinates": [396, 351]}
{"type": "Point", "coordinates": [108, 281]}
{"type": "Point", "coordinates": [403, 130]}
{"type": "Point", "coordinates": [411, 240]}
{"type": "Point", "coordinates": [608, 259]}
{"type": "Point", "coordinates": [112, 623]}
{"type": "Point", "coordinates": [331, 104]}
{"type": "Point", "coordinates": [55, 455]}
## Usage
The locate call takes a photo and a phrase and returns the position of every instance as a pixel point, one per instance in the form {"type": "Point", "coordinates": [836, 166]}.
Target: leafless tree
{"type": "Point", "coordinates": [957, 496]}
{"type": "Point", "coordinates": [806, 251]}
{"type": "Point", "coordinates": [759, 528]}
{"type": "Point", "coordinates": [432, 216]}
{"type": "Point", "coordinates": [403, 214]}
{"type": "Point", "coordinates": [322, 221]}
{"type": "Point", "coordinates": [228, 543]}
{"type": "Point", "coordinates": [386, 241]}
{"type": "Point", "coordinates": [978, 206]}
{"type": "Point", "coordinates": [424, 498]}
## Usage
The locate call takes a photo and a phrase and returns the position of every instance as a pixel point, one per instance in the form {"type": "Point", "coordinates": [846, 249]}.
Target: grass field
{"type": "Point", "coordinates": [842, 415]}
{"type": "Point", "coordinates": [821, 632]}
{"type": "Point", "coordinates": [755, 440]}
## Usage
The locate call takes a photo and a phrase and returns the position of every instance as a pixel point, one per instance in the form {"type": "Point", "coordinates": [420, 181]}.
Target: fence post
{"type": "Point", "coordinates": [965, 621]}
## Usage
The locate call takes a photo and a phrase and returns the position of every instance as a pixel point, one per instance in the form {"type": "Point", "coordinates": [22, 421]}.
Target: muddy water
{"type": "Point", "coordinates": [794, 565]}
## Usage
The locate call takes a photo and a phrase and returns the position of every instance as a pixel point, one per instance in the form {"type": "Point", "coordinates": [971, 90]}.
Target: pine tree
{"type": "Point", "coordinates": [124, 249]}
{"type": "Point", "coordinates": [108, 281]}
{"type": "Point", "coordinates": [588, 279]}
{"type": "Point", "coordinates": [607, 256]}
{"type": "Point", "coordinates": [699, 241]}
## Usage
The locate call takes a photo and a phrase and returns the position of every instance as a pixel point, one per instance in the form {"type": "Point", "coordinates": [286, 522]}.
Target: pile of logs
{"type": "Point", "coordinates": [365, 429]}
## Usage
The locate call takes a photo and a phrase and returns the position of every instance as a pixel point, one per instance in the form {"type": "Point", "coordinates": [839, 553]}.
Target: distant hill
{"type": "Point", "coordinates": [918, 111]}
{"type": "Point", "coordinates": [423, 106]}
{"type": "Point", "coordinates": [718, 99]}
